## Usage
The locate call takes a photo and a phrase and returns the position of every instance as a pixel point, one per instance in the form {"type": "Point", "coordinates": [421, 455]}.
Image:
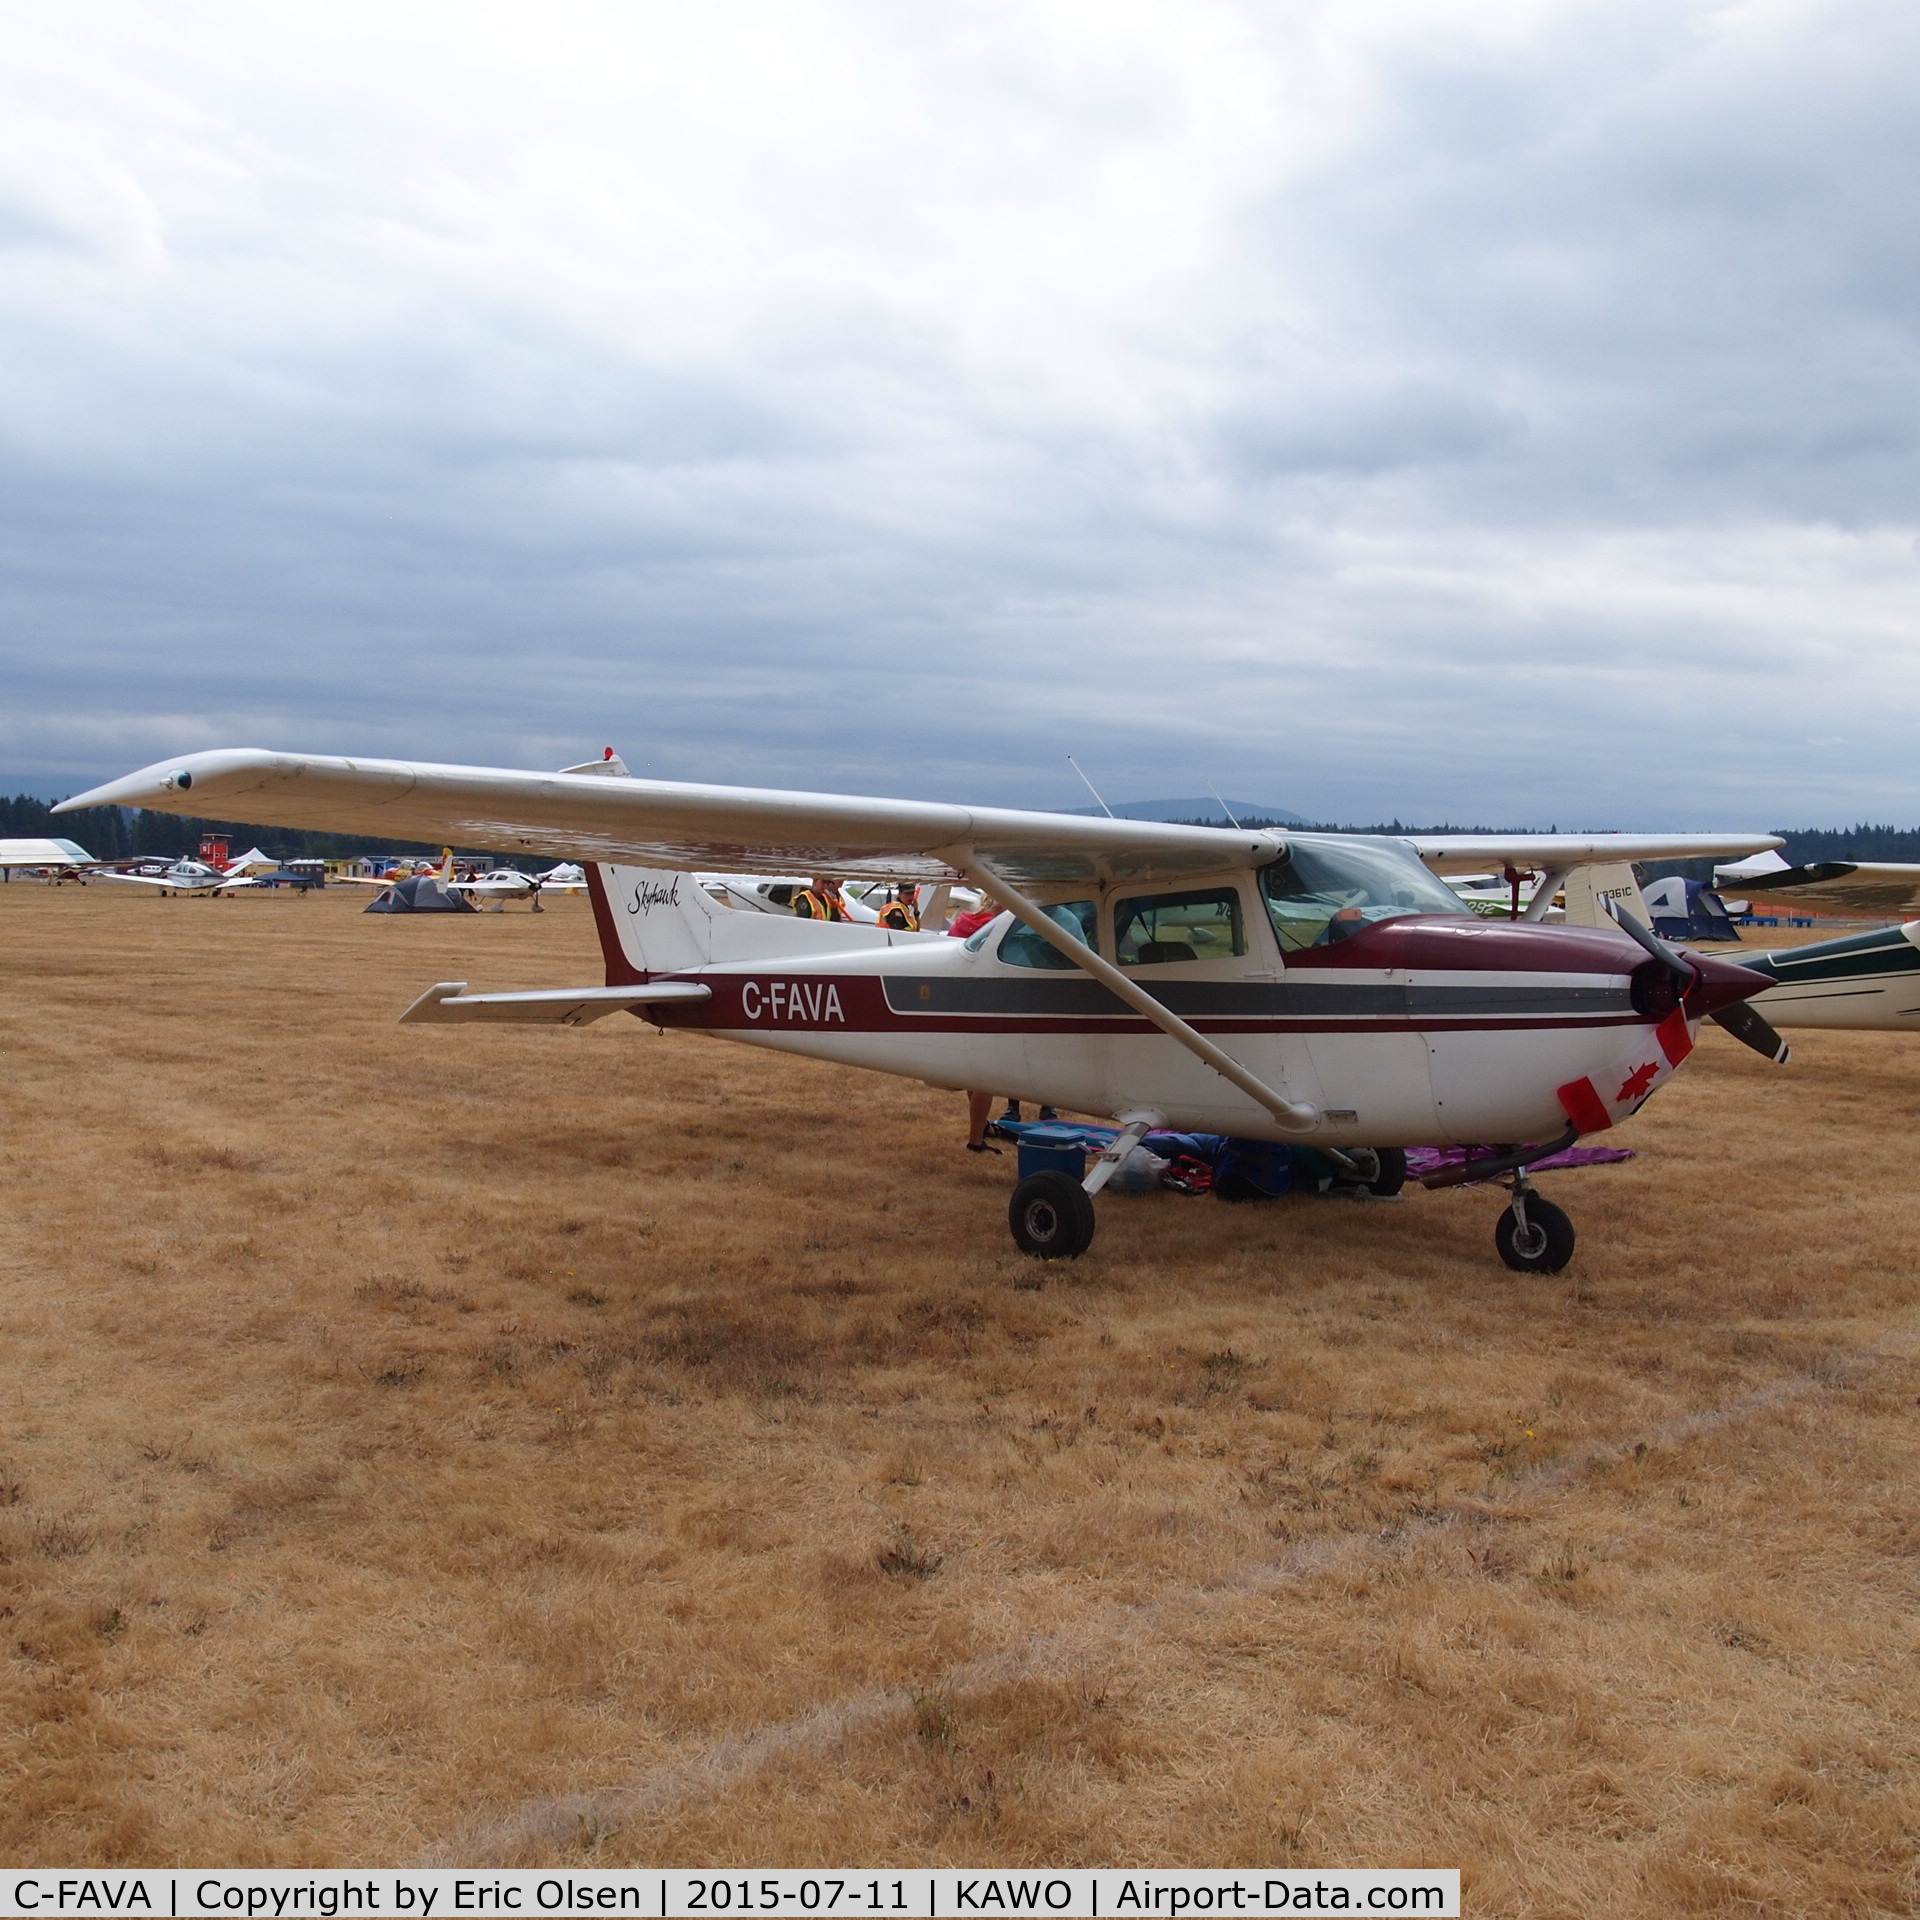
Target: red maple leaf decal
{"type": "Point", "coordinates": [1638, 1083]}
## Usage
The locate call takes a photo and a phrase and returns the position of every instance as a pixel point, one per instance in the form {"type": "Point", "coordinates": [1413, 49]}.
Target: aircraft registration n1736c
{"type": "Point", "coordinates": [1319, 989]}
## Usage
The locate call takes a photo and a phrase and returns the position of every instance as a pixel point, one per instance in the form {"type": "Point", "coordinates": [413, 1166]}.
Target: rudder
{"type": "Point", "coordinates": [650, 921]}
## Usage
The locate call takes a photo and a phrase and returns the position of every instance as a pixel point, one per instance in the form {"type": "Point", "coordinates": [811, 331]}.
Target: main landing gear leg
{"type": "Point", "coordinates": [1533, 1235]}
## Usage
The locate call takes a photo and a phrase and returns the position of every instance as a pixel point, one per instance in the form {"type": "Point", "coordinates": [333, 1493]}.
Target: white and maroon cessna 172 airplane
{"type": "Point", "coordinates": [1309, 988]}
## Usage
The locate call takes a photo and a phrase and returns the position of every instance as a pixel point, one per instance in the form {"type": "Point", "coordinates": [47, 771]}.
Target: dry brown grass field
{"type": "Point", "coordinates": [594, 1447]}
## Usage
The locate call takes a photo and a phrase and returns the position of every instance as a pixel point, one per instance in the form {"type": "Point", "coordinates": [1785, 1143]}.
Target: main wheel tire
{"type": "Point", "coordinates": [1383, 1170]}
{"type": "Point", "coordinates": [1545, 1246]}
{"type": "Point", "coordinates": [1051, 1215]}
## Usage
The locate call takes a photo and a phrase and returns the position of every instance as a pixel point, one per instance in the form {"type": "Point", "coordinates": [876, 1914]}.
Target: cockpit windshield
{"type": "Point", "coordinates": [1321, 891]}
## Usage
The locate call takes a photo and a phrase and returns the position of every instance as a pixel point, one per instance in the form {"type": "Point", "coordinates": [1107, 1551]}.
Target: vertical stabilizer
{"type": "Point", "coordinates": [650, 922]}
{"type": "Point", "coordinates": [1590, 888]}
{"type": "Point", "coordinates": [610, 764]}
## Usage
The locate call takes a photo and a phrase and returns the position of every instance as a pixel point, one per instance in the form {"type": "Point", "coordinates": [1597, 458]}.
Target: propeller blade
{"type": "Point", "coordinates": [1751, 1029]}
{"type": "Point", "coordinates": [1647, 938]}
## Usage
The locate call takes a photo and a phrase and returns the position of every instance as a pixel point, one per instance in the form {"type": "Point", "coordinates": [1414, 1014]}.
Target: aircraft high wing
{"type": "Point", "coordinates": [1882, 888]}
{"type": "Point", "coordinates": [1288, 987]}
{"type": "Point", "coordinates": [45, 856]}
{"type": "Point", "coordinates": [688, 827]}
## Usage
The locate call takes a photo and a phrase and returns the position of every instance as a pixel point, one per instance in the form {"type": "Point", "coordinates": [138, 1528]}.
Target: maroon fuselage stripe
{"type": "Point", "coordinates": [857, 1003]}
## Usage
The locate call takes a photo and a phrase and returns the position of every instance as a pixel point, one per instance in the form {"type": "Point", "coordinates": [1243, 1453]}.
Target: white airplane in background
{"type": "Point", "coordinates": [191, 877]}
{"type": "Point", "coordinates": [64, 859]}
{"type": "Point", "coordinates": [499, 886]}
{"type": "Point", "coordinates": [773, 893]}
{"type": "Point", "coordinates": [1496, 897]}
{"type": "Point", "coordinates": [1277, 986]}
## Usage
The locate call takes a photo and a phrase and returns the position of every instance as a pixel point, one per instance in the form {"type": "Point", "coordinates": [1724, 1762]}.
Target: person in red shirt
{"type": "Point", "coordinates": [964, 925]}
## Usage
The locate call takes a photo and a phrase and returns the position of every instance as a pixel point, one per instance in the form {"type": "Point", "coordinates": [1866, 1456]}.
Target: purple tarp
{"type": "Point", "coordinates": [1422, 1161]}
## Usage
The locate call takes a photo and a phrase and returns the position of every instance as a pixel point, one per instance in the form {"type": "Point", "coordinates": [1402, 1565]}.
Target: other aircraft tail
{"type": "Point", "coordinates": [1590, 888]}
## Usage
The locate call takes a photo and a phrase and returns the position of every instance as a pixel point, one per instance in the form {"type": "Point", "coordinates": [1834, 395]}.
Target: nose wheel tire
{"type": "Point", "coordinates": [1544, 1244]}
{"type": "Point", "coordinates": [1051, 1215]}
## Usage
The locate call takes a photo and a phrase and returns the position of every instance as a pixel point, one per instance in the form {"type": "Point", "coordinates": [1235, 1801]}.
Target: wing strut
{"type": "Point", "coordinates": [1287, 1114]}
{"type": "Point", "coordinates": [1550, 883]}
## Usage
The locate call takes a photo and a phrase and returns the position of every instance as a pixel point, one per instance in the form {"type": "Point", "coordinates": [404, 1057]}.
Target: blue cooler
{"type": "Point", "coordinates": [1051, 1149]}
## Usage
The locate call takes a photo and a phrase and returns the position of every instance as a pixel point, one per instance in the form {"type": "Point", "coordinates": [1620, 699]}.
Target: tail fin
{"type": "Point", "coordinates": [444, 872]}
{"type": "Point", "coordinates": [650, 922]}
{"type": "Point", "coordinates": [609, 764]}
{"type": "Point", "coordinates": [1589, 888]}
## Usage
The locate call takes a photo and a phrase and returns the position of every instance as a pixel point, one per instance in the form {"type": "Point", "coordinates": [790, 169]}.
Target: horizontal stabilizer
{"type": "Point", "coordinates": [450, 1004]}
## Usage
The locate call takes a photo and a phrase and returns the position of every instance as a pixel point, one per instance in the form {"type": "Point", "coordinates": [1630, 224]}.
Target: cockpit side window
{"type": "Point", "coordinates": [1022, 947]}
{"type": "Point", "coordinates": [1321, 891]}
{"type": "Point", "coordinates": [1158, 929]}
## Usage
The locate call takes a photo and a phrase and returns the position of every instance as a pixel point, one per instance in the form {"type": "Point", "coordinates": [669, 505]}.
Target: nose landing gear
{"type": "Point", "coordinates": [1533, 1235]}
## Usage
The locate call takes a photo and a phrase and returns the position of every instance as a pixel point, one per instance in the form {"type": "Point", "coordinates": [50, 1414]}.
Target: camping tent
{"type": "Point", "coordinates": [422, 894]}
{"type": "Point", "coordinates": [1687, 910]}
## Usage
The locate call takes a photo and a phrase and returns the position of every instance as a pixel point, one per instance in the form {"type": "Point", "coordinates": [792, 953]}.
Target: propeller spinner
{"type": "Point", "coordinates": [1751, 1029]}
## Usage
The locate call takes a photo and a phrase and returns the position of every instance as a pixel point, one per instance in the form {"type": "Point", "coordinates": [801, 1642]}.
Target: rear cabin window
{"type": "Point", "coordinates": [1159, 929]}
{"type": "Point", "coordinates": [1024, 948]}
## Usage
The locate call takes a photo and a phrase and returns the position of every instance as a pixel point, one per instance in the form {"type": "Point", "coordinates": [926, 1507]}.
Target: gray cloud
{"type": "Point", "coordinates": [1506, 416]}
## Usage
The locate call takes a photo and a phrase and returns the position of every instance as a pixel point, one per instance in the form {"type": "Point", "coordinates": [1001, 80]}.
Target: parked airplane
{"type": "Point", "coordinates": [1498, 896]}
{"type": "Point", "coordinates": [774, 893]}
{"type": "Point", "coordinates": [1880, 887]}
{"type": "Point", "coordinates": [188, 877]}
{"type": "Point", "coordinates": [404, 870]}
{"type": "Point", "coordinates": [64, 859]}
{"type": "Point", "coordinates": [500, 885]}
{"type": "Point", "coordinates": [1279, 986]}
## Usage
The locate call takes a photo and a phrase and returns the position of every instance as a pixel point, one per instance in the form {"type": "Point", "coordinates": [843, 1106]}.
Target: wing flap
{"type": "Point", "coordinates": [450, 1004]}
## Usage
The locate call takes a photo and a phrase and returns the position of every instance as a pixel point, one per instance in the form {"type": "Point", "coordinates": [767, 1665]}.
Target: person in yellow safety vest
{"type": "Point", "coordinates": [821, 901]}
{"type": "Point", "coordinates": [902, 912]}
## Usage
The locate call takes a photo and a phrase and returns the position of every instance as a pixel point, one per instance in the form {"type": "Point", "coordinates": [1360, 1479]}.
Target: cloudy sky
{"type": "Point", "coordinates": [1488, 410]}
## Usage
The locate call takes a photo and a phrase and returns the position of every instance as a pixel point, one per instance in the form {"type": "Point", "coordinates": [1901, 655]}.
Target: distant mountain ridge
{"type": "Point", "coordinates": [1207, 808]}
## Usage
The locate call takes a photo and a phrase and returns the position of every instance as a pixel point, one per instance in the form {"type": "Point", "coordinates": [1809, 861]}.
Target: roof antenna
{"type": "Point", "coordinates": [1224, 808]}
{"type": "Point", "coordinates": [1091, 788]}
